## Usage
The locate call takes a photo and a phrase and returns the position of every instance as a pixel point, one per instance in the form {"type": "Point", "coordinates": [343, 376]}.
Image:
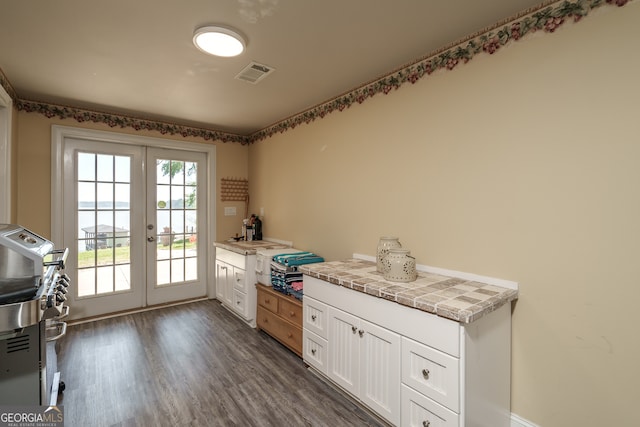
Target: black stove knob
{"type": "Point", "coordinates": [62, 289]}
{"type": "Point", "coordinates": [62, 281]}
{"type": "Point", "coordinates": [60, 297]}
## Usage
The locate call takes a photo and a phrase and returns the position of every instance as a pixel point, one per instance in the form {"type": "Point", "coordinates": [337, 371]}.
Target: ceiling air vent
{"type": "Point", "coordinates": [254, 72]}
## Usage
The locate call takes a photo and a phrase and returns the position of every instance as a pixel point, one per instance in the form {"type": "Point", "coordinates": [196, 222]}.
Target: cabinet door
{"type": "Point", "coordinates": [224, 283]}
{"type": "Point", "coordinates": [344, 349]}
{"type": "Point", "coordinates": [380, 370]}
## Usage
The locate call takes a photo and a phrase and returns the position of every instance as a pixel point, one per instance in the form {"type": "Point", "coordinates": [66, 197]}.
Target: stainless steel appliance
{"type": "Point", "coordinates": [33, 290]}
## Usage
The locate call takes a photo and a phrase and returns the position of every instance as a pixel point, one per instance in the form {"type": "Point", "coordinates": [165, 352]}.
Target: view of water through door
{"type": "Point", "coordinates": [104, 223]}
{"type": "Point", "coordinates": [135, 219]}
{"type": "Point", "coordinates": [176, 192]}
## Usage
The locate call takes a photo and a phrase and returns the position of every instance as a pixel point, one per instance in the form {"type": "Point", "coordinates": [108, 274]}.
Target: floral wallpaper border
{"type": "Point", "coordinates": [547, 17]}
{"type": "Point", "coordinates": [116, 120]}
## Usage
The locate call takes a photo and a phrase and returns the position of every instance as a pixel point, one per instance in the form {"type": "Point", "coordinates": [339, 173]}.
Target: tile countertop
{"type": "Point", "coordinates": [457, 299]}
{"type": "Point", "coordinates": [248, 247]}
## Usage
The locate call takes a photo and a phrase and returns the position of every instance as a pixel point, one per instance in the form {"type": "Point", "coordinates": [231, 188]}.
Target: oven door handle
{"type": "Point", "coordinates": [62, 327]}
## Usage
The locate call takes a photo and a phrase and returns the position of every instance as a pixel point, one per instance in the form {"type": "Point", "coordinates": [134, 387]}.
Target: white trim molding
{"type": "Point", "coordinates": [6, 115]}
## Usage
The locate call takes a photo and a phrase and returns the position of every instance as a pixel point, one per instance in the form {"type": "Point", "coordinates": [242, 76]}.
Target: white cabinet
{"type": "Point", "coordinates": [235, 284]}
{"type": "Point", "coordinates": [314, 334]}
{"type": "Point", "coordinates": [411, 367]}
{"type": "Point", "coordinates": [432, 373]}
{"type": "Point", "coordinates": [420, 411]}
{"type": "Point", "coordinates": [362, 358]}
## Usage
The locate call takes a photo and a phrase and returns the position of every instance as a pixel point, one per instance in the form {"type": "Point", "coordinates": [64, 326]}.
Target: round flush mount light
{"type": "Point", "coordinates": [218, 41]}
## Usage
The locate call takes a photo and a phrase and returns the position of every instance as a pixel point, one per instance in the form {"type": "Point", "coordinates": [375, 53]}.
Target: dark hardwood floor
{"type": "Point", "coordinates": [191, 365]}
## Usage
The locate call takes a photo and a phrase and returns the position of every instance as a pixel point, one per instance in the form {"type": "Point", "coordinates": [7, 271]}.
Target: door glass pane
{"type": "Point", "coordinates": [105, 167]}
{"type": "Point", "coordinates": [104, 221]}
{"type": "Point", "coordinates": [176, 215]}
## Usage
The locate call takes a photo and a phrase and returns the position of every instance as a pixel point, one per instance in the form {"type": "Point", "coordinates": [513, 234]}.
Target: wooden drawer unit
{"type": "Point", "coordinates": [267, 300]}
{"type": "Point", "coordinates": [280, 316]}
{"type": "Point", "coordinates": [290, 310]}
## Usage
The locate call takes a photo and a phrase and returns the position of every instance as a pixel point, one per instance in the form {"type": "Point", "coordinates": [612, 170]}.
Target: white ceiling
{"type": "Point", "coordinates": [135, 57]}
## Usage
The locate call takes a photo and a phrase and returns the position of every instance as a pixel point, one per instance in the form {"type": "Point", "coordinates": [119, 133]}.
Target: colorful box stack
{"type": "Point", "coordinates": [285, 276]}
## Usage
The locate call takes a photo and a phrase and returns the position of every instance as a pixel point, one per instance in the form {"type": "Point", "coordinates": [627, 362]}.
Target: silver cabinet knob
{"type": "Point", "coordinates": [313, 317]}
{"type": "Point", "coordinates": [425, 373]}
{"type": "Point", "coordinates": [361, 333]}
{"type": "Point", "coordinates": [313, 351]}
{"type": "Point", "coordinates": [151, 239]}
{"type": "Point", "coordinates": [426, 423]}
{"type": "Point", "coordinates": [354, 329]}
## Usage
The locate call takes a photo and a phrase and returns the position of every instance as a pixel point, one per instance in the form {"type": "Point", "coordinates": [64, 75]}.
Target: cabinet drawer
{"type": "Point", "coordinates": [232, 258]}
{"type": "Point", "coordinates": [420, 411]}
{"type": "Point", "coordinates": [238, 280]}
{"type": "Point", "coordinates": [432, 373]}
{"type": "Point", "coordinates": [268, 301]}
{"type": "Point", "coordinates": [280, 329]}
{"type": "Point", "coordinates": [240, 303]}
{"type": "Point", "coordinates": [291, 311]}
{"type": "Point", "coordinates": [314, 351]}
{"type": "Point", "coordinates": [315, 316]}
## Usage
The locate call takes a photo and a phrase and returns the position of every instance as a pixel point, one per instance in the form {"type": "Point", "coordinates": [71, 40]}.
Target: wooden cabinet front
{"type": "Point", "coordinates": [280, 316]}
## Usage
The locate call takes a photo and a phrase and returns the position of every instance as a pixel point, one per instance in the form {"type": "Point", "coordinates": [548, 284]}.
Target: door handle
{"type": "Point", "coordinates": [151, 239]}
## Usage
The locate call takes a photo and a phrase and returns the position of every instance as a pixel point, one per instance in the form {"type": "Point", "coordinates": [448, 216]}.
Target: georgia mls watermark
{"type": "Point", "coordinates": [31, 416]}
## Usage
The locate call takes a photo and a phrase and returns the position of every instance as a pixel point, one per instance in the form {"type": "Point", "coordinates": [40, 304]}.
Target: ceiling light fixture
{"type": "Point", "coordinates": [218, 41]}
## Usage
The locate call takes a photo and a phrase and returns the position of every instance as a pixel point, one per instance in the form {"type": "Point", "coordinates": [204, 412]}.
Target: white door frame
{"type": "Point", "coordinates": [60, 133]}
{"type": "Point", "coordinates": [6, 117]}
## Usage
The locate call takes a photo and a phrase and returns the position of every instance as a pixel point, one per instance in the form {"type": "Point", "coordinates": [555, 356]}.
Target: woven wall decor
{"type": "Point", "coordinates": [234, 189]}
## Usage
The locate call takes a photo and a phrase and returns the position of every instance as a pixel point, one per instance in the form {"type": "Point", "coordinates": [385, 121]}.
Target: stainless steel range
{"type": "Point", "coordinates": [33, 290]}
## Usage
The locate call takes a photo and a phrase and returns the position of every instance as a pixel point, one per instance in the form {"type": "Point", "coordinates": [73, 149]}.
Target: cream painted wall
{"type": "Point", "coordinates": [33, 171]}
{"type": "Point", "coordinates": [14, 160]}
{"type": "Point", "coordinates": [522, 165]}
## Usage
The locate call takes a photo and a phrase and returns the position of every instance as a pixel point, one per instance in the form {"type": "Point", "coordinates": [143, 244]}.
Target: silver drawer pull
{"type": "Point", "coordinates": [425, 374]}
{"type": "Point", "coordinates": [426, 423]}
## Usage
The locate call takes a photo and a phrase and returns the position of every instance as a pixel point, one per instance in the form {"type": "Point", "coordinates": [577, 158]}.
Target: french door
{"type": "Point", "coordinates": [135, 219]}
{"type": "Point", "coordinates": [176, 194]}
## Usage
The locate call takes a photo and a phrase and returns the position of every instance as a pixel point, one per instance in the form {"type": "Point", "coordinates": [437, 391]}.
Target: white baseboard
{"type": "Point", "coordinates": [517, 421]}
